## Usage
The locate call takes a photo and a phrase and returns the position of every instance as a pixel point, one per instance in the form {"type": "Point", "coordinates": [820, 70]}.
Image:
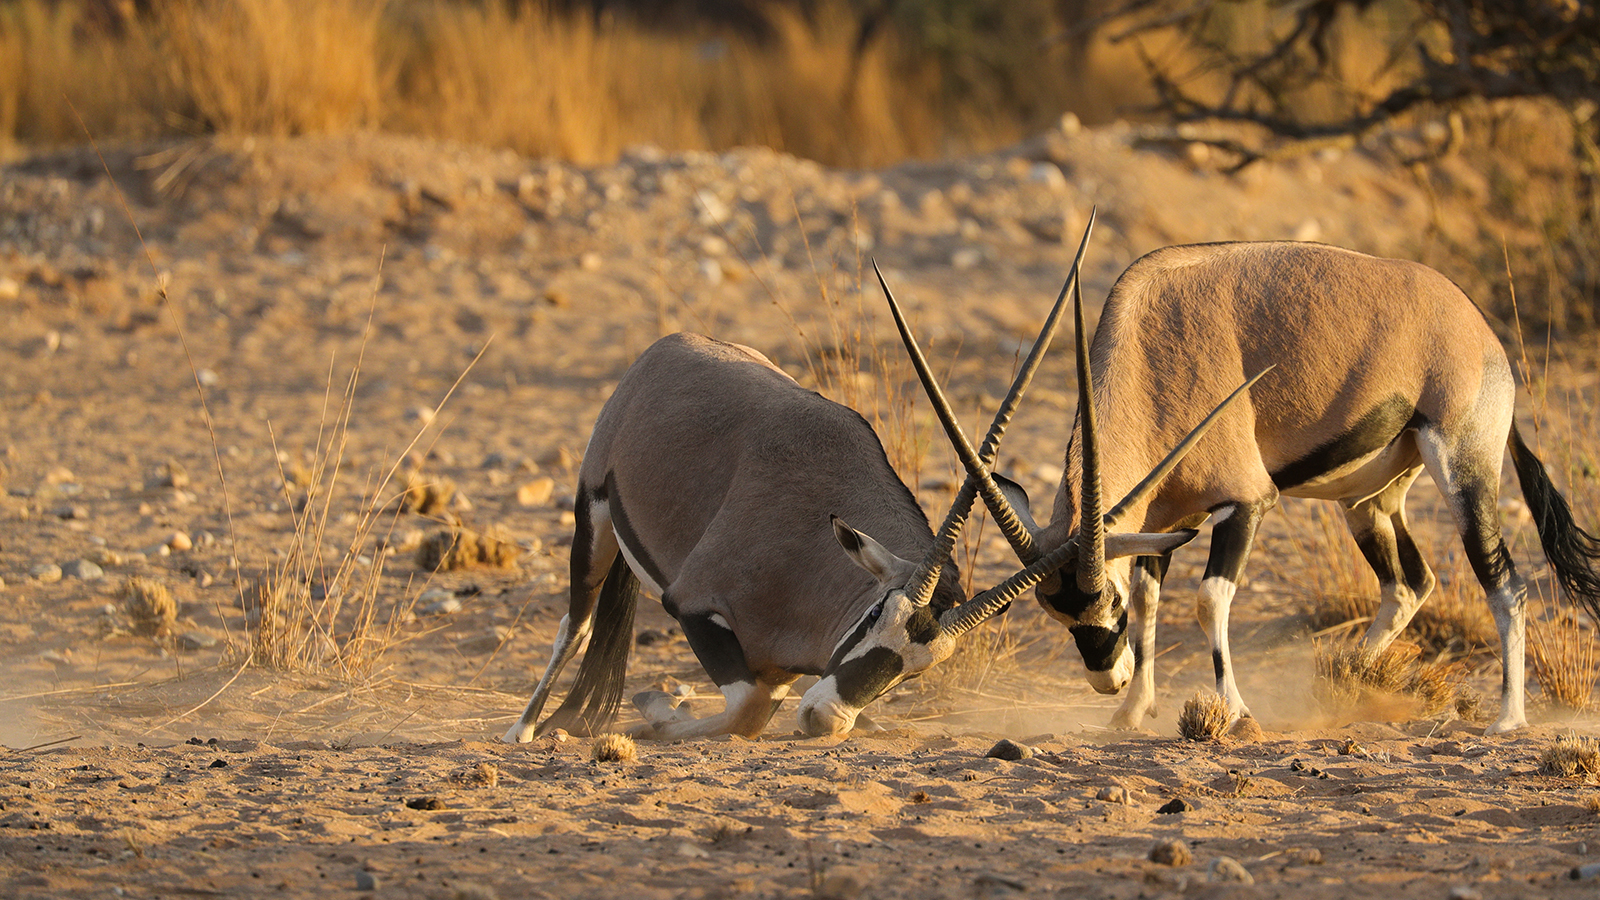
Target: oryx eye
{"type": "Point", "coordinates": [874, 612]}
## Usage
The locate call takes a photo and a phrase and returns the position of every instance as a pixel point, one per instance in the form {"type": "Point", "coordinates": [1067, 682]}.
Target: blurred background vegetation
{"type": "Point", "coordinates": [1510, 85]}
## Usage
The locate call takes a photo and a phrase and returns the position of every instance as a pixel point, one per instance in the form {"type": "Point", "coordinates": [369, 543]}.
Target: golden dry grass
{"type": "Point", "coordinates": [1565, 659]}
{"type": "Point", "coordinates": [463, 548]}
{"type": "Point", "coordinates": [1204, 717]}
{"type": "Point", "coordinates": [1354, 681]}
{"type": "Point", "coordinates": [149, 605]}
{"type": "Point", "coordinates": [1571, 756]}
{"type": "Point", "coordinates": [614, 748]}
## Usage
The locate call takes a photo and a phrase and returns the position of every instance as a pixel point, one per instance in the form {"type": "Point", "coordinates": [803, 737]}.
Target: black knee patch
{"type": "Point", "coordinates": [717, 648]}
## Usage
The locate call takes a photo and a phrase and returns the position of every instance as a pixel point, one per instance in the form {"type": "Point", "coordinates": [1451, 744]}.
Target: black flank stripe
{"type": "Point", "coordinates": [619, 520]}
{"type": "Point", "coordinates": [1372, 432]}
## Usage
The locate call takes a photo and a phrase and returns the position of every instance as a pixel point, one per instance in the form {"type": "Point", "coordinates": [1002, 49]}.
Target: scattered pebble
{"type": "Point", "coordinates": [82, 569]}
{"type": "Point", "coordinates": [1585, 872]}
{"type": "Point", "coordinates": [1171, 853]}
{"type": "Point", "coordinates": [196, 640]}
{"type": "Point", "coordinates": [425, 803]}
{"type": "Point", "coordinates": [1175, 806]}
{"type": "Point", "coordinates": [70, 512]}
{"type": "Point", "coordinates": [437, 602]}
{"type": "Point", "coordinates": [179, 541]}
{"type": "Point", "coordinates": [46, 573]}
{"type": "Point", "coordinates": [1465, 892]}
{"type": "Point", "coordinates": [1113, 794]}
{"type": "Point", "coordinates": [366, 881]}
{"type": "Point", "coordinates": [156, 550]}
{"type": "Point", "coordinates": [536, 492]}
{"type": "Point", "coordinates": [1303, 856]}
{"type": "Point", "coordinates": [1226, 868]}
{"type": "Point", "coordinates": [1009, 749]}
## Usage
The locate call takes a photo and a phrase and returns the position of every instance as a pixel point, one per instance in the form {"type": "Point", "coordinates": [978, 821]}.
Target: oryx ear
{"type": "Point", "coordinates": [1147, 544]}
{"type": "Point", "coordinates": [869, 554]}
{"type": "Point", "coordinates": [1018, 498]}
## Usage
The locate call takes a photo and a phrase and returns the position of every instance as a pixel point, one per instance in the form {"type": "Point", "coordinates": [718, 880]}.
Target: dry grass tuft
{"type": "Point", "coordinates": [1565, 659]}
{"type": "Point", "coordinates": [614, 748]}
{"type": "Point", "coordinates": [1352, 680]}
{"type": "Point", "coordinates": [1204, 717]}
{"type": "Point", "coordinates": [462, 548]}
{"type": "Point", "coordinates": [149, 605]}
{"type": "Point", "coordinates": [1571, 756]}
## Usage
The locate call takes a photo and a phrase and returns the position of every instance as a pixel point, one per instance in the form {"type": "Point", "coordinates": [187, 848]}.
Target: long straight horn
{"type": "Point", "coordinates": [979, 478]}
{"type": "Point", "coordinates": [1091, 530]}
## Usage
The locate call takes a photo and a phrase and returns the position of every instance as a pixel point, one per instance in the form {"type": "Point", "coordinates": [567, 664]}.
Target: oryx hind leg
{"type": "Point", "coordinates": [1232, 537]}
{"type": "Point", "coordinates": [1468, 472]}
{"type": "Point", "coordinates": [750, 700]}
{"type": "Point", "coordinates": [1378, 523]}
{"type": "Point", "coordinates": [594, 549]}
{"type": "Point", "coordinates": [1144, 599]}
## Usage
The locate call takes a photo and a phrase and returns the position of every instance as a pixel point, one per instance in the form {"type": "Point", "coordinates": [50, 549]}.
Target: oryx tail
{"type": "Point", "coordinates": [1573, 553]}
{"type": "Point", "coordinates": [591, 705]}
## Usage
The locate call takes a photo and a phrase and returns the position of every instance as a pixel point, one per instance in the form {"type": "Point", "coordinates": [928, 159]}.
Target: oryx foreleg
{"type": "Point", "coordinates": [1231, 539]}
{"type": "Point", "coordinates": [1378, 524]}
{"type": "Point", "coordinates": [1144, 599]}
{"type": "Point", "coordinates": [594, 548]}
{"type": "Point", "coordinates": [750, 700]}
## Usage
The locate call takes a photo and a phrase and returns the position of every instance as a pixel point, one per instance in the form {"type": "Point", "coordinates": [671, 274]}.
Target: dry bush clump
{"type": "Point", "coordinates": [614, 748]}
{"type": "Point", "coordinates": [426, 496]}
{"type": "Point", "coordinates": [983, 654]}
{"type": "Point", "coordinates": [1571, 756]}
{"type": "Point", "coordinates": [1204, 717]}
{"type": "Point", "coordinates": [462, 548]}
{"type": "Point", "coordinates": [1354, 680]}
{"type": "Point", "coordinates": [1565, 660]}
{"type": "Point", "coordinates": [149, 605]}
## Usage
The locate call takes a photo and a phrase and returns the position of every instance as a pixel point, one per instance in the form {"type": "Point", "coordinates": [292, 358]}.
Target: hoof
{"type": "Point", "coordinates": [660, 707]}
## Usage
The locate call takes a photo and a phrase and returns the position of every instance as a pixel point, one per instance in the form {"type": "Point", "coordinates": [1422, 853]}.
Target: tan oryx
{"type": "Point", "coordinates": [1383, 369]}
{"type": "Point", "coordinates": [713, 477]}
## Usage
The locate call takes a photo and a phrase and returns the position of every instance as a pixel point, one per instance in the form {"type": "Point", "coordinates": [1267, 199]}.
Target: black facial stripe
{"type": "Point", "coordinates": [717, 648]}
{"type": "Point", "coordinates": [863, 625]}
{"type": "Point", "coordinates": [629, 537]}
{"type": "Point", "coordinates": [1372, 432]}
{"type": "Point", "coordinates": [859, 681]}
{"type": "Point", "coordinates": [1100, 647]}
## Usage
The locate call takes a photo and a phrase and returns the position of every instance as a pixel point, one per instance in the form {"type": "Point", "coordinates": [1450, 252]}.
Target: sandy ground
{"type": "Point", "coordinates": [158, 766]}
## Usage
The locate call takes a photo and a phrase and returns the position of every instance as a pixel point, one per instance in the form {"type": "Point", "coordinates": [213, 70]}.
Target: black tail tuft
{"type": "Point", "coordinates": [1572, 552]}
{"type": "Point", "coordinates": [591, 706]}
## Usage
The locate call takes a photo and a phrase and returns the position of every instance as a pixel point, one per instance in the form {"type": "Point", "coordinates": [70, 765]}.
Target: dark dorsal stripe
{"type": "Point", "coordinates": [1372, 432]}
{"type": "Point", "coordinates": [629, 537]}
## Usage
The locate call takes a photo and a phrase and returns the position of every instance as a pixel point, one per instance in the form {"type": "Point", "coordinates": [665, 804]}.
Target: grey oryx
{"type": "Point", "coordinates": [1384, 369]}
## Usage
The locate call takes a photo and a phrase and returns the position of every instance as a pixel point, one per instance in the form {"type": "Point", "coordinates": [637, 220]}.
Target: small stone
{"type": "Point", "coordinates": [47, 573]}
{"type": "Point", "coordinates": [178, 542]}
{"type": "Point", "coordinates": [436, 602]}
{"type": "Point", "coordinates": [536, 492]}
{"type": "Point", "coordinates": [59, 475]}
{"type": "Point", "coordinates": [196, 640]}
{"type": "Point", "coordinates": [1009, 750]}
{"type": "Point", "coordinates": [82, 569]}
{"type": "Point", "coordinates": [591, 261]}
{"type": "Point", "coordinates": [1303, 856]}
{"type": "Point", "coordinates": [108, 557]}
{"type": "Point", "coordinates": [70, 512]}
{"type": "Point", "coordinates": [1226, 868]}
{"type": "Point", "coordinates": [1465, 892]}
{"type": "Point", "coordinates": [156, 550]}
{"type": "Point", "coordinates": [693, 851]}
{"type": "Point", "coordinates": [366, 881]}
{"type": "Point", "coordinates": [1114, 794]}
{"type": "Point", "coordinates": [1171, 853]}
{"type": "Point", "coordinates": [9, 289]}
{"type": "Point", "coordinates": [1175, 806]}
{"type": "Point", "coordinates": [425, 803]}
{"type": "Point", "coordinates": [966, 258]}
